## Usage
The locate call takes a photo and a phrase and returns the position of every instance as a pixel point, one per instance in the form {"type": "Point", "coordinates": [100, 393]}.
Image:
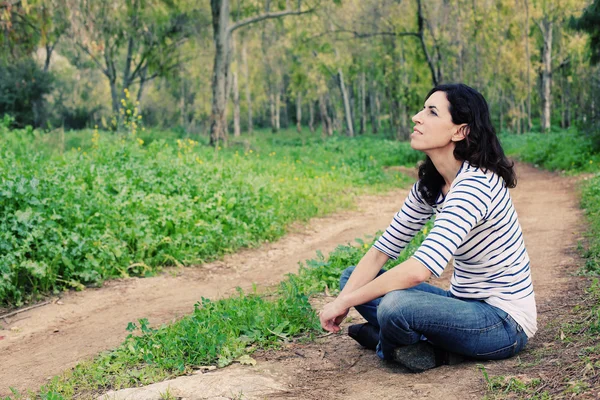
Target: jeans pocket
{"type": "Point", "coordinates": [499, 354]}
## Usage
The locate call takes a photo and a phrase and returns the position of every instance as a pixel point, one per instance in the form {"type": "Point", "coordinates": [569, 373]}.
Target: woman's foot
{"type": "Point", "coordinates": [422, 356]}
{"type": "Point", "coordinates": [366, 335]}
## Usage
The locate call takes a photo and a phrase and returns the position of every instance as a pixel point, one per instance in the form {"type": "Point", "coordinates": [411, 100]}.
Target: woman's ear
{"type": "Point", "coordinates": [461, 133]}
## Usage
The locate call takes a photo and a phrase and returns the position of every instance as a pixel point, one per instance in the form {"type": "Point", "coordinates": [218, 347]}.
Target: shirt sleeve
{"type": "Point", "coordinates": [415, 213]}
{"type": "Point", "coordinates": [466, 205]}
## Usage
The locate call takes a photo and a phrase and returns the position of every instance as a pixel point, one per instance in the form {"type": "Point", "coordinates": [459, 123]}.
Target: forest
{"type": "Point", "coordinates": [226, 68]}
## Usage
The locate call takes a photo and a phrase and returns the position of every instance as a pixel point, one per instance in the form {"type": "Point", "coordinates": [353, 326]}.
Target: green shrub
{"type": "Point", "coordinates": [117, 206]}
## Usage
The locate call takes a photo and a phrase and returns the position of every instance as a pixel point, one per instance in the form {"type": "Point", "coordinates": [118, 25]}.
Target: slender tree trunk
{"type": "Point", "coordinates": [476, 46]}
{"type": "Point", "coordinates": [373, 107]}
{"type": "Point", "coordinates": [363, 104]}
{"type": "Point", "coordinates": [528, 61]}
{"type": "Point", "coordinates": [182, 102]}
{"type": "Point", "coordinates": [247, 78]}
{"type": "Point", "coordinates": [272, 110]}
{"type": "Point", "coordinates": [277, 109]}
{"type": "Point", "coordinates": [114, 94]}
{"type": "Point", "coordinates": [311, 116]}
{"type": "Point", "coordinates": [501, 104]}
{"type": "Point", "coordinates": [325, 120]}
{"type": "Point", "coordinates": [346, 100]}
{"type": "Point", "coordinates": [143, 81]}
{"type": "Point", "coordinates": [236, 105]}
{"type": "Point", "coordinates": [546, 25]}
{"type": "Point", "coordinates": [221, 37]}
{"type": "Point", "coordinates": [568, 105]}
{"type": "Point", "coordinates": [299, 113]}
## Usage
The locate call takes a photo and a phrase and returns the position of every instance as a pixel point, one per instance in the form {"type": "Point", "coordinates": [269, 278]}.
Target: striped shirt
{"type": "Point", "coordinates": [477, 225]}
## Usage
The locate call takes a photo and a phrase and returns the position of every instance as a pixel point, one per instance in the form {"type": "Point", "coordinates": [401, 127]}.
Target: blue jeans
{"type": "Point", "coordinates": [472, 328]}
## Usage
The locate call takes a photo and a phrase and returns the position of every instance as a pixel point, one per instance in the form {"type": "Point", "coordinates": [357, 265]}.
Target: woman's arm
{"type": "Point", "coordinates": [366, 270]}
{"type": "Point", "coordinates": [406, 275]}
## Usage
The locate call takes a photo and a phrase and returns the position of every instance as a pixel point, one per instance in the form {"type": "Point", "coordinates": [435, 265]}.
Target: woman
{"type": "Point", "coordinates": [489, 311]}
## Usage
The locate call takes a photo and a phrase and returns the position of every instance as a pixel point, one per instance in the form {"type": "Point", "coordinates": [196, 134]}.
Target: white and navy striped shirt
{"type": "Point", "coordinates": [476, 224]}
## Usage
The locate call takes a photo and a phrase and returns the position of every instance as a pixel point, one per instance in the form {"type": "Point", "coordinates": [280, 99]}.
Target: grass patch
{"type": "Point", "coordinates": [566, 150]}
{"type": "Point", "coordinates": [118, 206]}
{"type": "Point", "coordinates": [217, 332]}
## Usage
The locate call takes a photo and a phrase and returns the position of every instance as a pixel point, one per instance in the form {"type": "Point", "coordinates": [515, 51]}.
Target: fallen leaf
{"type": "Point", "coordinates": [562, 335]}
{"type": "Point", "coordinates": [246, 360]}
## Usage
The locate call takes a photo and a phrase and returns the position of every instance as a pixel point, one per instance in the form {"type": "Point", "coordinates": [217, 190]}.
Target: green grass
{"type": "Point", "coordinates": [566, 150]}
{"type": "Point", "coordinates": [117, 206]}
{"type": "Point", "coordinates": [217, 332]}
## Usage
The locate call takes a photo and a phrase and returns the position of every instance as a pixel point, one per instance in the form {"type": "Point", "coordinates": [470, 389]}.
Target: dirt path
{"type": "Point", "coordinates": [43, 342]}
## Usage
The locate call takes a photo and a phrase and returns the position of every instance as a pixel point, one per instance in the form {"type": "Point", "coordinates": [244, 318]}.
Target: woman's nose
{"type": "Point", "coordinates": [417, 118]}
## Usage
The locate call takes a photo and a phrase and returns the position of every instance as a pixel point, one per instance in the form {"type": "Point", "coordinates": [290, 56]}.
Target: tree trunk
{"type": "Point", "coordinates": [220, 20]}
{"type": "Point", "coordinates": [277, 110]}
{"type": "Point", "coordinates": [363, 104]}
{"type": "Point", "coordinates": [500, 103]}
{"type": "Point", "coordinates": [546, 26]}
{"type": "Point", "coordinates": [143, 80]}
{"type": "Point", "coordinates": [347, 112]}
{"type": "Point", "coordinates": [299, 113]}
{"type": "Point", "coordinates": [373, 107]}
{"type": "Point", "coordinates": [272, 109]}
{"type": "Point", "coordinates": [182, 104]}
{"type": "Point", "coordinates": [528, 62]}
{"type": "Point", "coordinates": [247, 78]}
{"type": "Point", "coordinates": [114, 94]}
{"type": "Point", "coordinates": [311, 116]}
{"type": "Point", "coordinates": [325, 120]}
{"type": "Point", "coordinates": [236, 105]}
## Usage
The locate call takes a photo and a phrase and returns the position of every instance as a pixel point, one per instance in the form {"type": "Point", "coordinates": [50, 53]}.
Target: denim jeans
{"type": "Point", "coordinates": [472, 328]}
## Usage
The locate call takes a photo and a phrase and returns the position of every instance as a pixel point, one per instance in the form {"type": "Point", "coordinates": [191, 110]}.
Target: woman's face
{"type": "Point", "coordinates": [434, 128]}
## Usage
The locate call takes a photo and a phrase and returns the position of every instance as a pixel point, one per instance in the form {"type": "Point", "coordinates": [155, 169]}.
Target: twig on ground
{"type": "Point", "coordinates": [325, 335]}
{"type": "Point", "coordinates": [10, 314]}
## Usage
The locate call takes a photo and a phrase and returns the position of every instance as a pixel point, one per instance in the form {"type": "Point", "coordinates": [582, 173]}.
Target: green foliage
{"type": "Point", "coordinates": [218, 332]}
{"type": "Point", "coordinates": [118, 206]}
{"type": "Point", "coordinates": [590, 202]}
{"type": "Point", "coordinates": [590, 22]}
{"type": "Point", "coordinates": [566, 150]}
{"type": "Point", "coordinates": [22, 86]}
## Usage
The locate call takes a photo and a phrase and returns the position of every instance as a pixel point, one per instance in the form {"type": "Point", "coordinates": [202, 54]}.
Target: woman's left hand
{"type": "Point", "coordinates": [332, 315]}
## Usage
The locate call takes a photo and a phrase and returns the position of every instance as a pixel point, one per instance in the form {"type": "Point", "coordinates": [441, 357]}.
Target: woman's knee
{"type": "Point", "coordinates": [345, 276]}
{"type": "Point", "coordinates": [392, 308]}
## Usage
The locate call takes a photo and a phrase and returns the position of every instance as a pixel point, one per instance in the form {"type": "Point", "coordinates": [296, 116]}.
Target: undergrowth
{"type": "Point", "coordinates": [217, 332]}
{"type": "Point", "coordinates": [121, 205]}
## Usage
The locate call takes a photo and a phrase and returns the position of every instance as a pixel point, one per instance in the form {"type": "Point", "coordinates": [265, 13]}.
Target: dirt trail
{"type": "Point", "coordinates": [43, 342]}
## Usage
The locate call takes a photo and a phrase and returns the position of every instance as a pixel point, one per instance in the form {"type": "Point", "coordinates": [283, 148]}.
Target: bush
{"type": "Point", "coordinates": [23, 86]}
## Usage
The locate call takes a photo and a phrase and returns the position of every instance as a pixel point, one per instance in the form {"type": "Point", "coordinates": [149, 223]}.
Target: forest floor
{"type": "Point", "coordinates": [44, 341]}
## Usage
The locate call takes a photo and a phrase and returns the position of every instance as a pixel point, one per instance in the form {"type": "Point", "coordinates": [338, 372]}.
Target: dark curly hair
{"type": "Point", "coordinates": [481, 147]}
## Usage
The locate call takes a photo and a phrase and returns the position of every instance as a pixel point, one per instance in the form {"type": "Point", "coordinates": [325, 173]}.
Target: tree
{"type": "Point", "coordinates": [138, 37]}
{"type": "Point", "coordinates": [590, 22]}
{"type": "Point", "coordinates": [222, 31]}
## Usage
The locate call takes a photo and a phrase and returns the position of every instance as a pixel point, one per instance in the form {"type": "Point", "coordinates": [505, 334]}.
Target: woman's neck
{"type": "Point", "coordinates": [447, 166]}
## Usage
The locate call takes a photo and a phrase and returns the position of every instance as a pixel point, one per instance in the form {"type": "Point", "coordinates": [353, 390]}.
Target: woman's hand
{"type": "Point", "coordinates": [332, 315]}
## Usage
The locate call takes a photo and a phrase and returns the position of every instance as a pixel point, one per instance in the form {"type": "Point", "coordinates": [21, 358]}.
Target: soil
{"type": "Point", "coordinates": [43, 342]}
